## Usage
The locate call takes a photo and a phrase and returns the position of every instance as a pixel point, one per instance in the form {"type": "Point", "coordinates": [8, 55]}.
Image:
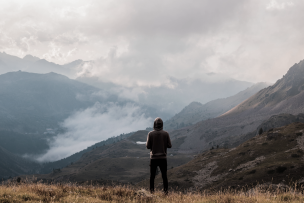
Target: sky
{"type": "Point", "coordinates": [146, 42]}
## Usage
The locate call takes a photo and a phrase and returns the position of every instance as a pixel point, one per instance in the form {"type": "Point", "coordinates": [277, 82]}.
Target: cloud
{"type": "Point", "coordinates": [279, 5]}
{"type": "Point", "coordinates": [144, 43]}
{"type": "Point", "coordinates": [92, 125]}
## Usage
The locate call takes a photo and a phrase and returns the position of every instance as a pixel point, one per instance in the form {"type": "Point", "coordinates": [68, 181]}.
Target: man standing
{"type": "Point", "coordinates": [158, 141]}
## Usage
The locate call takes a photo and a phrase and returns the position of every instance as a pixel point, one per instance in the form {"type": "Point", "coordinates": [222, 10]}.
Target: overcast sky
{"type": "Point", "coordinates": [132, 40]}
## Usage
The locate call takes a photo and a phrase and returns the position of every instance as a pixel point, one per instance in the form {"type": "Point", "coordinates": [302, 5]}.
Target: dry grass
{"type": "Point", "coordinates": [38, 192]}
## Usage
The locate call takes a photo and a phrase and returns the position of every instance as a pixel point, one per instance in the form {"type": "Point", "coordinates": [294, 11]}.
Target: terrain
{"type": "Point", "coordinates": [32, 102]}
{"type": "Point", "coordinates": [285, 96]}
{"type": "Point", "coordinates": [168, 98]}
{"type": "Point", "coordinates": [124, 161]}
{"type": "Point", "coordinates": [37, 192]}
{"type": "Point", "coordinates": [15, 146]}
{"type": "Point", "coordinates": [12, 165]}
{"type": "Point", "coordinates": [196, 111]}
{"type": "Point", "coordinates": [173, 96]}
{"type": "Point", "coordinates": [273, 157]}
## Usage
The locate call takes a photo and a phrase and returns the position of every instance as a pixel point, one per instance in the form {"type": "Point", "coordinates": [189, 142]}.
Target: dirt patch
{"type": "Point", "coordinates": [204, 177]}
{"type": "Point", "coordinates": [300, 142]}
{"type": "Point", "coordinates": [250, 164]}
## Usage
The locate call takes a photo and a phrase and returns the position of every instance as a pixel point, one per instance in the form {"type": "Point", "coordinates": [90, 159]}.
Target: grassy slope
{"type": "Point", "coordinates": [73, 193]}
{"type": "Point", "coordinates": [123, 161]}
{"type": "Point", "coordinates": [275, 156]}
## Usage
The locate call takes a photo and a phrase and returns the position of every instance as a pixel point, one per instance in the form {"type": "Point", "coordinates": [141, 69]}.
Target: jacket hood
{"type": "Point", "coordinates": [158, 124]}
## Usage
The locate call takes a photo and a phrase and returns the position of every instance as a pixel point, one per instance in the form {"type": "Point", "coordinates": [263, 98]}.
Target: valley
{"type": "Point", "coordinates": [206, 137]}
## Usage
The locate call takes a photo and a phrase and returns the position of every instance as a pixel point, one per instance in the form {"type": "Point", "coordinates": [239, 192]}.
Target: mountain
{"type": "Point", "coordinates": [31, 58]}
{"type": "Point", "coordinates": [172, 99]}
{"type": "Point", "coordinates": [49, 166]}
{"type": "Point", "coordinates": [33, 106]}
{"type": "Point", "coordinates": [23, 143]}
{"type": "Point", "coordinates": [29, 63]}
{"type": "Point", "coordinates": [274, 157]}
{"type": "Point", "coordinates": [124, 161]}
{"type": "Point", "coordinates": [285, 96]}
{"type": "Point", "coordinates": [196, 111]}
{"type": "Point", "coordinates": [12, 165]}
{"type": "Point", "coordinates": [12, 63]}
{"type": "Point", "coordinates": [30, 102]}
{"type": "Point", "coordinates": [168, 99]}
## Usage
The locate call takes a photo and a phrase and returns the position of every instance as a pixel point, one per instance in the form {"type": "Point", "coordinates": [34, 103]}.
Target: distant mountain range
{"type": "Point", "coordinates": [167, 99]}
{"type": "Point", "coordinates": [172, 100]}
{"type": "Point", "coordinates": [29, 63]}
{"type": "Point", "coordinates": [196, 111]}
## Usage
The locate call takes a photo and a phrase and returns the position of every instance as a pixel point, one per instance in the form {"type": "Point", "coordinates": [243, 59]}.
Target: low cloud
{"type": "Point", "coordinates": [92, 125]}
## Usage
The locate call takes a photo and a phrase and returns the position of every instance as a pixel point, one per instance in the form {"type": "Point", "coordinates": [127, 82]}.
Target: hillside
{"type": "Point", "coordinates": [38, 192]}
{"type": "Point", "coordinates": [32, 102]}
{"type": "Point", "coordinates": [124, 161]}
{"type": "Point", "coordinates": [48, 167]}
{"type": "Point", "coordinates": [12, 165]}
{"type": "Point", "coordinates": [196, 111]}
{"type": "Point", "coordinates": [285, 96]}
{"type": "Point", "coordinates": [274, 157]}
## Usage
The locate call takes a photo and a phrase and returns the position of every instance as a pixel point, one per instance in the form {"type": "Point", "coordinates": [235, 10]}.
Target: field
{"type": "Point", "coordinates": [38, 192]}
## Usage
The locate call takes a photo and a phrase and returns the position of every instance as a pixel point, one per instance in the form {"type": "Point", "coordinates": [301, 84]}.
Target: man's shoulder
{"type": "Point", "coordinates": [165, 132]}
{"type": "Point", "coordinates": [158, 132]}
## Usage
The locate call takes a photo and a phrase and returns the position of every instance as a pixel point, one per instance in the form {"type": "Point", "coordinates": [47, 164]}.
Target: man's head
{"type": "Point", "coordinates": [158, 124]}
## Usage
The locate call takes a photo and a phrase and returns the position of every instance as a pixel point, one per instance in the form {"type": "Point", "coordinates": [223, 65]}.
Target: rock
{"type": "Point", "coordinates": [271, 136]}
{"type": "Point", "coordinates": [143, 193]}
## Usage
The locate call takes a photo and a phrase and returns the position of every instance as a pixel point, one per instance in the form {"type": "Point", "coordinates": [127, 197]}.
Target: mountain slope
{"type": "Point", "coordinates": [196, 111]}
{"type": "Point", "coordinates": [274, 157]}
{"type": "Point", "coordinates": [32, 102]}
{"type": "Point", "coordinates": [285, 96]}
{"type": "Point", "coordinates": [124, 161]}
{"type": "Point", "coordinates": [12, 165]}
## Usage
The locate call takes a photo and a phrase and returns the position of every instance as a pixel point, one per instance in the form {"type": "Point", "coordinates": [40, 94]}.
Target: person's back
{"type": "Point", "coordinates": [158, 141]}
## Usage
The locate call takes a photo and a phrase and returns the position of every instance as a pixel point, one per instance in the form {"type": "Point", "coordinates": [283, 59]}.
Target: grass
{"type": "Point", "coordinates": [38, 192]}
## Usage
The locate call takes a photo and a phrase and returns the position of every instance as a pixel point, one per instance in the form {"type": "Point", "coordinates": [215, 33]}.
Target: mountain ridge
{"type": "Point", "coordinates": [196, 111]}
{"type": "Point", "coordinates": [248, 115]}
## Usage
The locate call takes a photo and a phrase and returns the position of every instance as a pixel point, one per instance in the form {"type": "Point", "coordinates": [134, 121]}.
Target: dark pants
{"type": "Point", "coordinates": [162, 164]}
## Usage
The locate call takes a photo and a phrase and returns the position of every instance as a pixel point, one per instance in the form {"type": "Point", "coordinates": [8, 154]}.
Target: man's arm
{"type": "Point", "coordinates": [148, 143]}
{"type": "Point", "coordinates": [169, 142]}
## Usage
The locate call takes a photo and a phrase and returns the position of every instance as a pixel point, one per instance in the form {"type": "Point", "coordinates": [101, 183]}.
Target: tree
{"type": "Point", "coordinates": [261, 131]}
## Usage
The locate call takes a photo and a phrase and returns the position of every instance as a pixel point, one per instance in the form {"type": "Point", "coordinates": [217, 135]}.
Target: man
{"type": "Point", "coordinates": [158, 141]}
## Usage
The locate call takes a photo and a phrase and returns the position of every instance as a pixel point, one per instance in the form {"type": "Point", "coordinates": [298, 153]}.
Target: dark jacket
{"type": "Point", "coordinates": [158, 141]}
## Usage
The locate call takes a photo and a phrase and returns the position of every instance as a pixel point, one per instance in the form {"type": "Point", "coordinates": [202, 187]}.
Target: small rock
{"type": "Point", "coordinates": [143, 193]}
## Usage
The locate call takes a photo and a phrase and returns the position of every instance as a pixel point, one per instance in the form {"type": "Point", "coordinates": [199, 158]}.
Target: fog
{"type": "Point", "coordinates": [87, 127]}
